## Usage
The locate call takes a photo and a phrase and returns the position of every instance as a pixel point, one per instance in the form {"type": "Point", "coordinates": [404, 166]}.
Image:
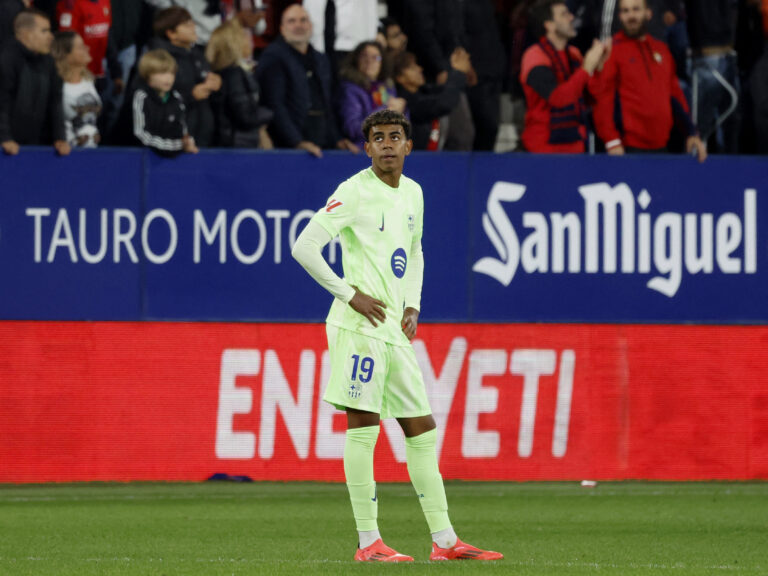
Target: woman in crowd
{"type": "Point", "coordinates": [81, 101]}
{"type": "Point", "coordinates": [365, 89]}
{"type": "Point", "coordinates": [240, 121]}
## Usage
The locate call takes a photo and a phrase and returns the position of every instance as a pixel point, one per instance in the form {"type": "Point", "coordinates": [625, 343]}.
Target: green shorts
{"type": "Point", "coordinates": [375, 376]}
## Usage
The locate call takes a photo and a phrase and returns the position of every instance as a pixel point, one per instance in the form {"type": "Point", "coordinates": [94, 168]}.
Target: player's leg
{"type": "Point", "coordinates": [359, 445]}
{"type": "Point", "coordinates": [362, 432]}
{"type": "Point", "coordinates": [357, 367]}
{"type": "Point", "coordinates": [406, 399]}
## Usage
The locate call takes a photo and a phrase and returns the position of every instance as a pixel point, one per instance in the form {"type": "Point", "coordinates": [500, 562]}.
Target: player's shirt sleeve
{"type": "Point", "coordinates": [414, 275]}
{"type": "Point", "coordinates": [308, 252]}
{"type": "Point", "coordinates": [340, 210]}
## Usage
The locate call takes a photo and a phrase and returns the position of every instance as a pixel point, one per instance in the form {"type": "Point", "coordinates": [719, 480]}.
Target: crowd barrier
{"type": "Point", "coordinates": [582, 317]}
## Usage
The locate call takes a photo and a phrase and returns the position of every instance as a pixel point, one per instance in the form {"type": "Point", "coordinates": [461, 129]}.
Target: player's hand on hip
{"type": "Point", "coordinates": [410, 322]}
{"type": "Point", "coordinates": [368, 306]}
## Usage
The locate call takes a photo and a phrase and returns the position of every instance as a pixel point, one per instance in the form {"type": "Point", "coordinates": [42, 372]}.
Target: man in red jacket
{"type": "Point", "coordinates": [638, 95]}
{"type": "Point", "coordinates": [554, 79]}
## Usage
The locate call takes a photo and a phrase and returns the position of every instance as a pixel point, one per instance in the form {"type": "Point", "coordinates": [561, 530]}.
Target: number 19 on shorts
{"type": "Point", "coordinates": [362, 369]}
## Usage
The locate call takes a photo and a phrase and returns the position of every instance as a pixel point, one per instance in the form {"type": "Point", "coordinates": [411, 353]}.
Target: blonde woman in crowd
{"type": "Point", "coordinates": [81, 101]}
{"type": "Point", "coordinates": [240, 121]}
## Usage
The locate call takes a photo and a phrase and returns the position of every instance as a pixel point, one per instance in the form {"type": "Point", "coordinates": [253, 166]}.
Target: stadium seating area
{"type": "Point", "coordinates": [486, 112]}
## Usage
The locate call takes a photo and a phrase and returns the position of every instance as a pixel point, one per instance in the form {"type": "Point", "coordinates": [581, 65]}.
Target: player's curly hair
{"type": "Point", "coordinates": [386, 117]}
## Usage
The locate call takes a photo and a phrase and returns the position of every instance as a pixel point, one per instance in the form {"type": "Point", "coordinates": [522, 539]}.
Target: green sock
{"type": "Point", "coordinates": [421, 455]}
{"type": "Point", "coordinates": [358, 469]}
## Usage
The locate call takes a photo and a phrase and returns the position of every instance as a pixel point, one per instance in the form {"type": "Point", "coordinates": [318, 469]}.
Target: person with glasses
{"type": "Point", "coordinates": [365, 89]}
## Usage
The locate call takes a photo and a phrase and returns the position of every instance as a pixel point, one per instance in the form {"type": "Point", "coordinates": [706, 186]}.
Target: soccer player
{"type": "Point", "coordinates": [378, 214]}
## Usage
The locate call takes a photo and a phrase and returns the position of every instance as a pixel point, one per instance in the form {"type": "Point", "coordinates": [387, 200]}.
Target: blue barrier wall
{"type": "Point", "coordinates": [125, 235]}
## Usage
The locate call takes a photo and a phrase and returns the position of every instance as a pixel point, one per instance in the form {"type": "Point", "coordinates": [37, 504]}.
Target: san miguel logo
{"type": "Point", "coordinates": [615, 221]}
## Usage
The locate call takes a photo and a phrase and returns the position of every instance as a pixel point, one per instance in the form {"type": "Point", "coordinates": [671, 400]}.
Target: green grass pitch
{"type": "Point", "coordinates": [558, 528]}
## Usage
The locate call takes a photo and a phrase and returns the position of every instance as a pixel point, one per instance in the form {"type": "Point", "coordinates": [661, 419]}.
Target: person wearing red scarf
{"type": "Point", "coordinates": [554, 77]}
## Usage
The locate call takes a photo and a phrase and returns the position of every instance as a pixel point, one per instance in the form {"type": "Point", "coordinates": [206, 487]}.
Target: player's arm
{"type": "Point", "coordinates": [308, 252]}
{"type": "Point", "coordinates": [414, 278]}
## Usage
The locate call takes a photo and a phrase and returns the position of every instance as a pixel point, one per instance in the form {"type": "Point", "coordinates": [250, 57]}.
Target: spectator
{"type": "Point", "coordinates": [435, 29]}
{"type": "Point", "coordinates": [252, 15]}
{"type": "Point", "coordinates": [483, 42]}
{"type": "Point", "coordinates": [296, 82]}
{"type": "Point", "coordinates": [397, 41]}
{"type": "Point", "coordinates": [240, 121]}
{"type": "Point", "coordinates": [91, 19]}
{"type": "Point", "coordinates": [365, 89]}
{"type": "Point", "coordinates": [715, 82]}
{"type": "Point", "coordinates": [82, 104]}
{"type": "Point", "coordinates": [638, 94]}
{"type": "Point", "coordinates": [554, 78]}
{"type": "Point", "coordinates": [176, 33]}
{"type": "Point", "coordinates": [430, 105]}
{"type": "Point", "coordinates": [206, 15]}
{"type": "Point", "coordinates": [9, 9]}
{"type": "Point", "coordinates": [131, 29]}
{"type": "Point", "coordinates": [31, 111]}
{"type": "Point", "coordinates": [159, 118]}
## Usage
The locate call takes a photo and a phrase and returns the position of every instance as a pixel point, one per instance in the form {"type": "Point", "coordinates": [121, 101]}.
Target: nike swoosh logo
{"type": "Point", "coordinates": [382, 223]}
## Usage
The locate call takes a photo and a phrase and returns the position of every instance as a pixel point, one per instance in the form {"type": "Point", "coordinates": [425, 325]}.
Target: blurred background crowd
{"type": "Point", "coordinates": [543, 76]}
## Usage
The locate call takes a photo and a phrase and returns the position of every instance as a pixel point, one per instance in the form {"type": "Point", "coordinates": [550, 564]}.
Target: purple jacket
{"type": "Point", "coordinates": [357, 104]}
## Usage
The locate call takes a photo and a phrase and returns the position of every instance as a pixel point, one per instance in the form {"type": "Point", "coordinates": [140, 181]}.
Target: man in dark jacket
{"type": "Point", "coordinates": [487, 51]}
{"type": "Point", "coordinates": [435, 30]}
{"type": "Point", "coordinates": [296, 85]}
{"type": "Point", "coordinates": [31, 111]}
{"type": "Point", "coordinates": [438, 27]}
{"type": "Point", "coordinates": [175, 32]}
{"type": "Point", "coordinates": [130, 31]}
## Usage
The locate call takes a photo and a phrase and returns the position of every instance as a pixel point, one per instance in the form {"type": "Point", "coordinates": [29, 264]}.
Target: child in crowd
{"type": "Point", "coordinates": [175, 32]}
{"type": "Point", "coordinates": [159, 116]}
{"type": "Point", "coordinates": [81, 101]}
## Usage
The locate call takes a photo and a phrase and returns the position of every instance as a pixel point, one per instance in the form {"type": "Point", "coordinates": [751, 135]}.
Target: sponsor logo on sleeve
{"type": "Point", "coordinates": [332, 205]}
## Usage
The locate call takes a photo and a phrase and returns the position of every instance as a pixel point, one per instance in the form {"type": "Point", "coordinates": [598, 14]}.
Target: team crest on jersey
{"type": "Point", "coordinates": [410, 222]}
{"type": "Point", "coordinates": [355, 390]}
{"type": "Point", "coordinates": [333, 204]}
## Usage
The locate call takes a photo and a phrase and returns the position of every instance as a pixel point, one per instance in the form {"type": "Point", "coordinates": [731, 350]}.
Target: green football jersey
{"type": "Point", "coordinates": [377, 226]}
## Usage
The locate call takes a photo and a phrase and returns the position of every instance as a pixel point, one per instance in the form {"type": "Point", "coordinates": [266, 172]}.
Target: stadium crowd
{"type": "Point", "coordinates": [613, 76]}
